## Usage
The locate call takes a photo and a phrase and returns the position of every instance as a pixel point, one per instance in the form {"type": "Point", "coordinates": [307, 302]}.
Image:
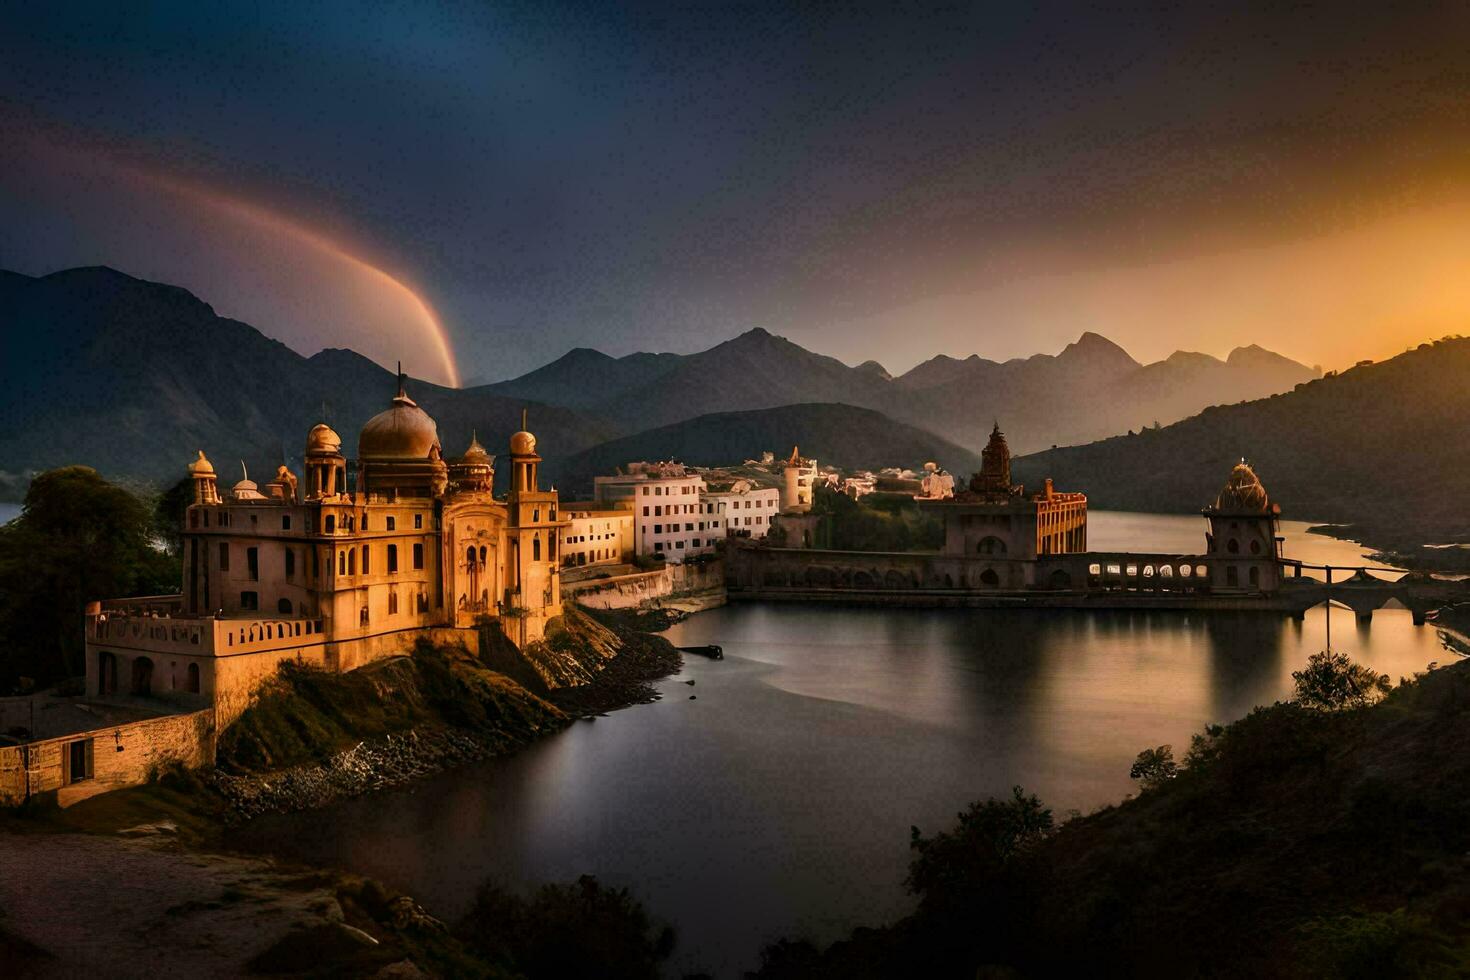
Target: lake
{"type": "Point", "coordinates": [778, 801]}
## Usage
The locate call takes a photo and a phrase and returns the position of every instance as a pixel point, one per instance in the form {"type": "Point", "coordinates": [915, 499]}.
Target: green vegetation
{"type": "Point", "coordinates": [79, 538]}
{"type": "Point", "coordinates": [306, 715]}
{"type": "Point", "coordinates": [583, 929]}
{"type": "Point", "coordinates": [1322, 837]}
{"type": "Point", "coordinates": [1331, 681]}
{"type": "Point", "coordinates": [875, 523]}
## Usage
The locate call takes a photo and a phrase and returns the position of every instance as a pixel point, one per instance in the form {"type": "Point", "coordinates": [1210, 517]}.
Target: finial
{"type": "Point", "coordinates": [243, 471]}
{"type": "Point", "coordinates": [523, 420]}
{"type": "Point", "coordinates": [401, 378]}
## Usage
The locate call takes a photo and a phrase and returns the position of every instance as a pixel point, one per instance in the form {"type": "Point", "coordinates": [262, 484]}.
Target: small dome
{"type": "Point", "coordinates": [523, 444]}
{"type": "Point", "coordinates": [1243, 492]}
{"type": "Point", "coordinates": [403, 431]}
{"type": "Point", "coordinates": [247, 490]}
{"type": "Point", "coordinates": [201, 466]}
{"type": "Point", "coordinates": [476, 453]}
{"type": "Point", "coordinates": [323, 439]}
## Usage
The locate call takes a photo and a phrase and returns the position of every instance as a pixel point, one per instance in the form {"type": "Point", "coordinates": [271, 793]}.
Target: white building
{"type": "Point", "coordinates": [665, 500]}
{"type": "Point", "coordinates": [744, 509]}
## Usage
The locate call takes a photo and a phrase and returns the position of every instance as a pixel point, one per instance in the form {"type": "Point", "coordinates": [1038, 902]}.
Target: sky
{"type": "Point", "coordinates": [477, 188]}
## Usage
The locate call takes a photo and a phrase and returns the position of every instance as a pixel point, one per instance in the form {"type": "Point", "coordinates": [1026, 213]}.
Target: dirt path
{"type": "Point", "coordinates": [138, 906]}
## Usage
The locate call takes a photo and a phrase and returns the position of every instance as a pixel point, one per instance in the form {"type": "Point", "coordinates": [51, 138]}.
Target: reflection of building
{"type": "Point", "coordinates": [337, 576]}
{"type": "Point", "coordinates": [800, 476]}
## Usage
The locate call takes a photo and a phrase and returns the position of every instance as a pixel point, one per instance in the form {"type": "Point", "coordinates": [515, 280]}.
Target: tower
{"type": "Point", "coordinates": [995, 466]}
{"type": "Point", "coordinates": [206, 490]}
{"type": "Point", "coordinates": [524, 463]}
{"type": "Point", "coordinates": [326, 467]}
{"type": "Point", "coordinates": [1244, 536]}
{"type": "Point", "coordinates": [800, 474]}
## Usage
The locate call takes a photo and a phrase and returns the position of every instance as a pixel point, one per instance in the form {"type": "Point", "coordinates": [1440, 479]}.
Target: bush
{"type": "Point", "coordinates": [583, 929]}
{"type": "Point", "coordinates": [1154, 767]}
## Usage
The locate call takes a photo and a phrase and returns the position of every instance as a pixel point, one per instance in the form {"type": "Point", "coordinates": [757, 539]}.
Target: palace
{"type": "Point", "coordinates": [319, 572]}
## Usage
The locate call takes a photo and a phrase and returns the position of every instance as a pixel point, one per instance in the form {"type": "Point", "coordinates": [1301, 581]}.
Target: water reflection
{"type": "Point", "coordinates": [779, 801]}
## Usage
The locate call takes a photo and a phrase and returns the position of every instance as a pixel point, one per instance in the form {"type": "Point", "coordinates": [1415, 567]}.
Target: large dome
{"type": "Point", "coordinates": [1243, 493]}
{"type": "Point", "coordinates": [404, 431]}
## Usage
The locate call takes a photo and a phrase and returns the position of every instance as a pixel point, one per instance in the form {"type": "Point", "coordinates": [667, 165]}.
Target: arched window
{"type": "Point", "coordinates": [991, 546]}
{"type": "Point", "coordinates": [469, 557]}
{"type": "Point", "coordinates": [482, 556]}
{"type": "Point", "coordinates": [351, 561]}
{"type": "Point", "coordinates": [536, 548]}
{"type": "Point", "coordinates": [193, 678]}
{"type": "Point", "coordinates": [1255, 575]}
{"type": "Point", "coordinates": [284, 607]}
{"type": "Point", "coordinates": [142, 676]}
{"type": "Point", "coordinates": [1255, 547]}
{"type": "Point", "coordinates": [1233, 546]}
{"type": "Point", "coordinates": [342, 563]}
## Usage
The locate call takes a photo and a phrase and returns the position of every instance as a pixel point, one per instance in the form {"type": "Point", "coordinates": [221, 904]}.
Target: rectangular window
{"type": "Point", "coordinates": [364, 520]}
{"type": "Point", "coordinates": [249, 600]}
{"type": "Point", "coordinates": [418, 522]}
{"type": "Point", "coordinates": [418, 556]}
{"type": "Point", "coordinates": [392, 557]}
{"type": "Point", "coordinates": [392, 524]}
{"type": "Point", "coordinates": [658, 529]}
{"type": "Point", "coordinates": [224, 557]}
{"type": "Point", "coordinates": [365, 559]}
{"type": "Point", "coordinates": [285, 522]}
{"type": "Point", "coordinates": [252, 563]}
{"type": "Point", "coordinates": [290, 563]}
{"type": "Point", "coordinates": [645, 510]}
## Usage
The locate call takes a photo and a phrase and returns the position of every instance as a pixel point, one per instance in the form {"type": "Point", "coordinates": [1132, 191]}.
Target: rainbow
{"type": "Point", "coordinates": [263, 217]}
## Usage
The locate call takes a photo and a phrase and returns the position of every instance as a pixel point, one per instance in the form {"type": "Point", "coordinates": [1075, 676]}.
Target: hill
{"type": "Point", "coordinates": [132, 377]}
{"type": "Point", "coordinates": [1292, 843]}
{"type": "Point", "coordinates": [1090, 390]}
{"type": "Point", "coordinates": [1377, 447]}
{"type": "Point", "coordinates": [842, 435]}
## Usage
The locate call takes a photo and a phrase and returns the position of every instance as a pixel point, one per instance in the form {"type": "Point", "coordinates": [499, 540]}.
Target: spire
{"type": "Point", "coordinates": [244, 473]}
{"type": "Point", "coordinates": [523, 419]}
{"type": "Point", "coordinates": [402, 393]}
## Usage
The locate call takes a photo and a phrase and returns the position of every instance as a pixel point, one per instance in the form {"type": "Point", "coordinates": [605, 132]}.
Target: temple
{"type": "Point", "coordinates": [317, 571]}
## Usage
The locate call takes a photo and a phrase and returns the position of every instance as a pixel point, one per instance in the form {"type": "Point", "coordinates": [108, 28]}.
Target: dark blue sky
{"type": "Point", "coordinates": [884, 184]}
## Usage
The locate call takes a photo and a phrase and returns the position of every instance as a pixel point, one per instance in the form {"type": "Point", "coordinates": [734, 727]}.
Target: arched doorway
{"type": "Point", "coordinates": [1060, 580]}
{"type": "Point", "coordinates": [142, 676]}
{"type": "Point", "coordinates": [989, 579]}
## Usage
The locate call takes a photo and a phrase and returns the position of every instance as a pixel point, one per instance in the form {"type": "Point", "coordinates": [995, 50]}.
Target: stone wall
{"type": "Point", "coordinates": [118, 756]}
{"type": "Point", "coordinates": [630, 591]}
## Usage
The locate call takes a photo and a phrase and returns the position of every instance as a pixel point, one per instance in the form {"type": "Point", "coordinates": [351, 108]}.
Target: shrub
{"type": "Point", "coordinates": [1332, 681]}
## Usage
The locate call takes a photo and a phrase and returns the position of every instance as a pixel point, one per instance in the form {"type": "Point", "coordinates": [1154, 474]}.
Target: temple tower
{"type": "Point", "coordinates": [1244, 539]}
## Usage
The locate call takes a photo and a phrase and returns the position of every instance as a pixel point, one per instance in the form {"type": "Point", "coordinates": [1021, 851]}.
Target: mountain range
{"type": "Point", "coordinates": [1091, 390]}
{"type": "Point", "coordinates": [132, 377]}
{"type": "Point", "coordinates": [1379, 447]}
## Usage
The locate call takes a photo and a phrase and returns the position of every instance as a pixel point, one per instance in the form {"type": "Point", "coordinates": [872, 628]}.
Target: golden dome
{"type": "Point", "coordinates": [403, 431]}
{"type": "Point", "coordinates": [523, 444]}
{"type": "Point", "coordinates": [323, 439]}
{"type": "Point", "coordinates": [201, 466]}
{"type": "Point", "coordinates": [1243, 492]}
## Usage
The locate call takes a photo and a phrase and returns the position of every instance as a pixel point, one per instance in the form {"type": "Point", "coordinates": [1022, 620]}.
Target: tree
{"type": "Point", "coordinates": [1154, 767]}
{"type": "Point", "coordinates": [952, 866]}
{"type": "Point", "coordinates": [583, 929]}
{"type": "Point", "coordinates": [1332, 681]}
{"type": "Point", "coordinates": [79, 538]}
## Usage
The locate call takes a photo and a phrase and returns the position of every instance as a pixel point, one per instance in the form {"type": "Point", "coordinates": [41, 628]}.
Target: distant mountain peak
{"type": "Point", "coordinates": [875, 369]}
{"type": "Point", "coordinates": [1096, 349]}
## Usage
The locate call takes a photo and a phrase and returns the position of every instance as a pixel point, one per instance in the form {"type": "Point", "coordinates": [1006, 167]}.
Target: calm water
{"type": "Point", "coordinates": [779, 801]}
{"type": "Point", "coordinates": [8, 512]}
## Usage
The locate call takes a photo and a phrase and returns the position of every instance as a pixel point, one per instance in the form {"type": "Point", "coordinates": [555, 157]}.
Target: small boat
{"type": "Point", "coordinates": [712, 651]}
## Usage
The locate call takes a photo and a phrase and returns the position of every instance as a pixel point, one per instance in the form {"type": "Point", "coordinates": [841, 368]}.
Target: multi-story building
{"type": "Point", "coordinates": [664, 499]}
{"type": "Point", "coordinates": [337, 576]}
{"type": "Point", "coordinates": [595, 534]}
{"type": "Point", "coordinates": [743, 509]}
